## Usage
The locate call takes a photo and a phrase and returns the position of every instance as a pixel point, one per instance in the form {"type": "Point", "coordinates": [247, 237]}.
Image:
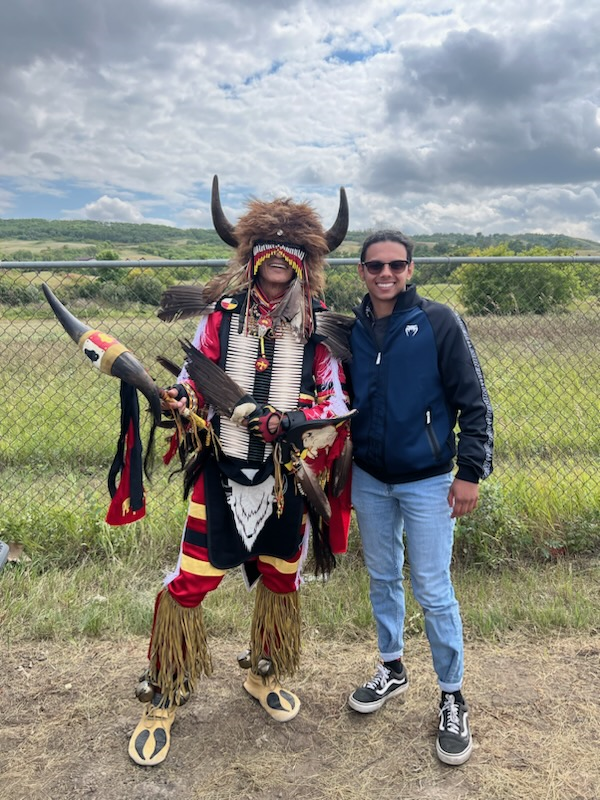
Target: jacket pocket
{"type": "Point", "coordinates": [433, 442]}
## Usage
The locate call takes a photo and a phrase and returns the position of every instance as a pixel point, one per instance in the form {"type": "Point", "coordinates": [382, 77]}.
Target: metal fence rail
{"type": "Point", "coordinates": [60, 420]}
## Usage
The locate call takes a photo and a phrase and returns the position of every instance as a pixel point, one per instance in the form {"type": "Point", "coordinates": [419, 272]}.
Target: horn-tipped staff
{"type": "Point", "coordinates": [106, 353]}
{"type": "Point", "coordinates": [128, 503]}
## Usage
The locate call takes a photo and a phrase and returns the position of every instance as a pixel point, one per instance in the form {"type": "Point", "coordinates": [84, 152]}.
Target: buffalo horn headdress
{"type": "Point", "coordinates": [291, 229]}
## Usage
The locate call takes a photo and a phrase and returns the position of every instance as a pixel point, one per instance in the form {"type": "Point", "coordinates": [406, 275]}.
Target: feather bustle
{"type": "Point", "coordinates": [336, 329]}
{"type": "Point", "coordinates": [182, 302]}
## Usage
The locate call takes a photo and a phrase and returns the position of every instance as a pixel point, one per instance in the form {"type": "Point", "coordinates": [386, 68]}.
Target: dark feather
{"type": "Point", "coordinates": [290, 305]}
{"type": "Point", "coordinates": [216, 386]}
{"type": "Point", "coordinates": [340, 469]}
{"type": "Point", "coordinates": [231, 280]}
{"type": "Point", "coordinates": [325, 561]}
{"type": "Point", "coordinates": [336, 329]}
{"type": "Point", "coordinates": [312, 489]}
{"type": "Point", "coordinates": [182, 302]}
{"type": "Point", "coordinates": [169, 365]}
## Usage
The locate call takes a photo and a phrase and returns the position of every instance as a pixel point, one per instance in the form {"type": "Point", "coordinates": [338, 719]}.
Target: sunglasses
{"type": "Point", "coordinates": [375, 267]}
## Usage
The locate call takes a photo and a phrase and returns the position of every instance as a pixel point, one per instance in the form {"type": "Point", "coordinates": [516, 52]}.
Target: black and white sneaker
{"type": "Point", "coordinates": [373, 694]}
{"type": "Point", "coordinates": [454, 741]}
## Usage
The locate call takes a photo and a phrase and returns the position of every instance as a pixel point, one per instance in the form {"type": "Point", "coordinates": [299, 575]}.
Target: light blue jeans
{"type": "Point", "coordinates": [384, 511]}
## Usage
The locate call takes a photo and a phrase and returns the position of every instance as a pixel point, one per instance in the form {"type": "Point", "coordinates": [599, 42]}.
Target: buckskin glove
{"type": "Point", "coordinates": [244, 407]}
{"type": "Point", "coordinates": [267, 422]}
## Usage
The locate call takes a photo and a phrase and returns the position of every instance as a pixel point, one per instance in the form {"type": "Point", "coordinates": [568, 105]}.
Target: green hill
{"type": "Point", "coordinates": [50, 240]}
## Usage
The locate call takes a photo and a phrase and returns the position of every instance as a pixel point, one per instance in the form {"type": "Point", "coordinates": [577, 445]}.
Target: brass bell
{"type": "Point", "coordinates": [243, 659]}
{"type": "Point", "coordinates": [144, 691]}
{"type": "Point", "coordinates": [264, 666]}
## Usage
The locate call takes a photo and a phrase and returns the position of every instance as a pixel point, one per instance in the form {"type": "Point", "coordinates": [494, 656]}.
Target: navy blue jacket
{"type": "Point", "coordinates": [410, 393]}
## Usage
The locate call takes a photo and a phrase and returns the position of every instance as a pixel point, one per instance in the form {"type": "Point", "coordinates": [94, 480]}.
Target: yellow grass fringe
{"type": "Point", "coordinates": [179, 653]}
{"type": "Point", "coordinates": [275, 631]}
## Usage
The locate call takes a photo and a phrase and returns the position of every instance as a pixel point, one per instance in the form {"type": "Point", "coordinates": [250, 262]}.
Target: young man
{"type": "Point", "coordinates": [245, 508]}
{"type": "Point", "coordinates": [414, 374]}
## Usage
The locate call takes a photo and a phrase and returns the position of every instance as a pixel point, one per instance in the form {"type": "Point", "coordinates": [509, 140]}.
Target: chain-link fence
{"type": "Point", "coordinates": [60, 421]}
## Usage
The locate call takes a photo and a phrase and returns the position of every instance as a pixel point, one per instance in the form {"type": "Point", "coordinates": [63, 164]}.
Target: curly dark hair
{"type": "Point", "coordinates": [387, 235]}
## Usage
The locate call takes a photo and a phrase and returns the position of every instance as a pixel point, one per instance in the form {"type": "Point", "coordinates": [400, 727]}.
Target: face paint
{"type": "Point", "coordinates": [292, 255]}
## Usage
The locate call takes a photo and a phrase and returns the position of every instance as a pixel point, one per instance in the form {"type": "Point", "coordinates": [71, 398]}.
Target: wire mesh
{"type": "Point", "coordinates": [60, 423]}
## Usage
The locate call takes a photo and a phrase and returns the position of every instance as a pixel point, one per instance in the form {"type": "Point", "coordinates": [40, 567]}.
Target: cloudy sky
{"type": "Point", "coordinates": [435, 115]}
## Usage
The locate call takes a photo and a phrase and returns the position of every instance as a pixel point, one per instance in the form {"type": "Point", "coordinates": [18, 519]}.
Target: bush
{"type": "Point", "coordinates": [14, 294]}
{"type": "Point", "coordinates": [492, 535]}
{"type": "Point", "coordinates": [589, 277]}
{"type": "Point", "coordinates": [145, 288]}
{"type": "Point", "coordinates": [516, 288]}
{"type": "Point", "coordinates": [113, 293]}
{"type": "Point", "coordinates": [343, 291]}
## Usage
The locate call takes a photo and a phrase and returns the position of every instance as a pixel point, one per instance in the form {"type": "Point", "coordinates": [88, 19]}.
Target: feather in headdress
{"type": "Point", "coordinates": [291, 308]}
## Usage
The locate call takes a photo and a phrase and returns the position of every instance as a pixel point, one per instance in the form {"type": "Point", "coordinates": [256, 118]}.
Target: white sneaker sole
{"type": "Point", "coordinates": [368, 708]}
{"type": "Point", "coordinates": [454, 759]}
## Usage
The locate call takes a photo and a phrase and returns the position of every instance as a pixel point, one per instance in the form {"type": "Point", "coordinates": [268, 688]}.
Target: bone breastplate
{"type": "Point", "coordinates": [279, 383]}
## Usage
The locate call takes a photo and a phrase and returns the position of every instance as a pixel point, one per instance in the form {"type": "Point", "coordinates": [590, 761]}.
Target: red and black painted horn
{"type": "Point", "coordinates": [222, 225]}
{"type": "Point", "coordinates": [106, 353]}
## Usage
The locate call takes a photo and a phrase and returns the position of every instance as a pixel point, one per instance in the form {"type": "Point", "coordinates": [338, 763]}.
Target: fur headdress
{"type": "Point", "coordinates": [266, 226]}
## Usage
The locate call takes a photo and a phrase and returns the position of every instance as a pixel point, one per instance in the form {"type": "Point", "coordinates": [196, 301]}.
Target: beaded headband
{"type": "Point", "coordinates": [292, 255]}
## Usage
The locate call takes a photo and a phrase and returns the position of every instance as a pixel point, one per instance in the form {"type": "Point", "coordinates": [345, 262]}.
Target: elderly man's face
{"type": "Point", "coordinates": [274, 276]}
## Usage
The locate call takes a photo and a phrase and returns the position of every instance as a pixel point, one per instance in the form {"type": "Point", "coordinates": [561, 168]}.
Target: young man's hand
{"type": "Point", "coordinates": [462, 497]}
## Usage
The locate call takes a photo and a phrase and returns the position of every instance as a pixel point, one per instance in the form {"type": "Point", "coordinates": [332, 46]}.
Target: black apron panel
{"type": "Point", "coordinates": [281, 537]}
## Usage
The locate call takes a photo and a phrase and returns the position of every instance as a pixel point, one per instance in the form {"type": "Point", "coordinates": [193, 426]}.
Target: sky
{"type": "Point", "coordinates": [436, 116]}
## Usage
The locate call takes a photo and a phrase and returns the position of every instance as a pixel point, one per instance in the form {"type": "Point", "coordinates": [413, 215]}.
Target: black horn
{"type": "Point", "coordinates": [335, 235]}
{"type": "Point", "coordinates": [106, 353]}
{"type": "Point", "coordinates": [71, 324]}
{"type": "Point", "coordinates": [222, 225]}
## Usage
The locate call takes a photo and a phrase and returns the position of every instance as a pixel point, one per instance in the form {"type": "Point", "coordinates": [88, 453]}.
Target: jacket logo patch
{"type": "Point", "coordinates": [411, 330]}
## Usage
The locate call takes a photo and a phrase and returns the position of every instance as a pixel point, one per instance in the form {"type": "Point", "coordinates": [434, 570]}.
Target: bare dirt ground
{"type": "Point", "coordinates": [68, 711]}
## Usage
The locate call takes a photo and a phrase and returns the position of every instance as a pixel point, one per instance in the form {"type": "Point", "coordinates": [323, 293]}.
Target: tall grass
{"type": "Point", "coordinates": [115, 599]}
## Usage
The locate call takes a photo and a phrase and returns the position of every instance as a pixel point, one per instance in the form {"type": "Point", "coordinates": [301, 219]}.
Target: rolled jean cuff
{"type": "Point", "coordinates": [450, 687]}
{"type": "Point", "coordinates": [391, 656]}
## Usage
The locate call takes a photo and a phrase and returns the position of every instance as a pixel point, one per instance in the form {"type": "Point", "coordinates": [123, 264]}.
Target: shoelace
{"type": "Point", "coordinates": [450, 715]}
{"type": "Point", "coordinates": [379, 679]}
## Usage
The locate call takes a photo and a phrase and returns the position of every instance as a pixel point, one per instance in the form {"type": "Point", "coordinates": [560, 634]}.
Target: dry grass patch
{"type": "Point", "coordinates": [68, 714]}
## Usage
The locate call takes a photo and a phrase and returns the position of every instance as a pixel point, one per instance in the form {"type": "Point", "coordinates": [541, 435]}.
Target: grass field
{"type": "Point", "coordinates": [59, 430]}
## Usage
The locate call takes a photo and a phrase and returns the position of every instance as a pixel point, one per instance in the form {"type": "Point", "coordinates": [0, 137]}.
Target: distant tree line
{"type": "Point", "coordinates": [145, 233]}
{"type": "Point", "coordinates": [91, 231]}
{"type": "Point", "coordinates": [482, 288]}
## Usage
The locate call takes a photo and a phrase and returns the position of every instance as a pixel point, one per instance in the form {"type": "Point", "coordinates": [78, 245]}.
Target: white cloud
{"type": "Point", "coordinates": [467, 116]}
{"type": "Point", "coordinates": [113, 209]}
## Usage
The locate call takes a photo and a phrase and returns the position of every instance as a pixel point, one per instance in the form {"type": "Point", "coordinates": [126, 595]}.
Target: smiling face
{"type": "Point", "coordinates": [274, 276]}
{"type": "Point", "coordinates": [275, 265]}
{"type": "Point", "coordinates": [385, 286]}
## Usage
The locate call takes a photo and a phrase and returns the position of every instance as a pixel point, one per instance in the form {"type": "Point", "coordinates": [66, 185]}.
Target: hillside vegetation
{"type": "Point", "coordinates": [64, 240]}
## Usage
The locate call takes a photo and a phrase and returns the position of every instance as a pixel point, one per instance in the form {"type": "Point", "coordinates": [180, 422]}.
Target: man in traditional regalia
{"type": "Point", "coordinates": [259, 469]}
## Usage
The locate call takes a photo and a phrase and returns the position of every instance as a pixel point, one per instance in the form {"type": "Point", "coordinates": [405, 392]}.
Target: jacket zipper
{"type": "Point", "coordinates": [431, 434]}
